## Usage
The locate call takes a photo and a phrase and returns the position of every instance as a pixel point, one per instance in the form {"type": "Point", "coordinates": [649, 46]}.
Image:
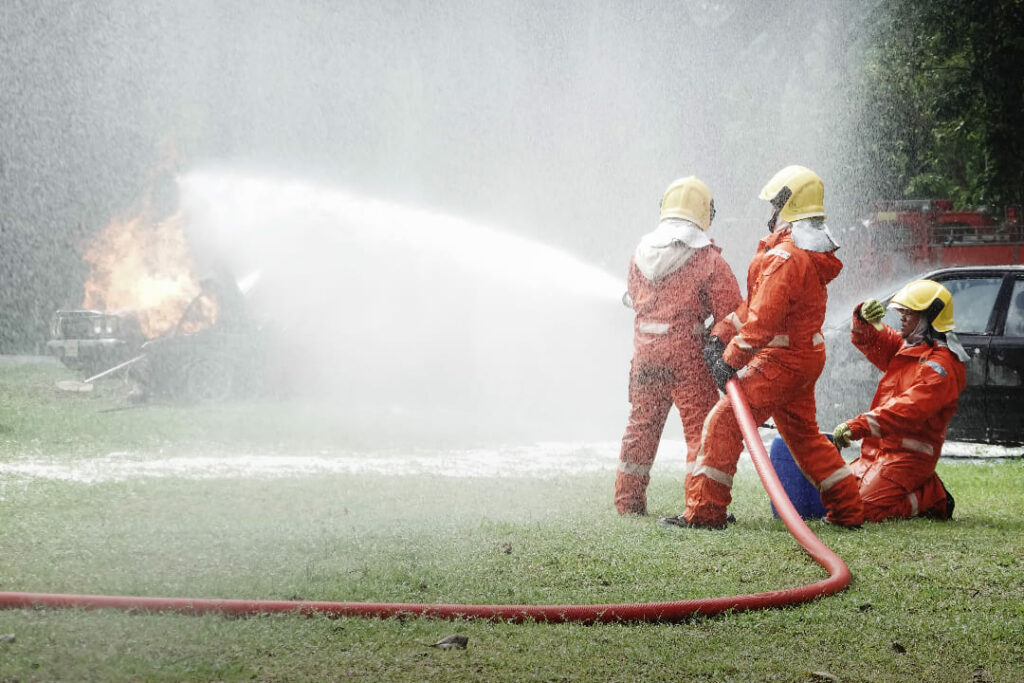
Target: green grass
{"type": "Point", "coordinates": [929, 601]}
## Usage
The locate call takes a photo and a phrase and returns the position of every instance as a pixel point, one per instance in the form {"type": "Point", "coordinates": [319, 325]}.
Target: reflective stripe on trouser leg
{"type": "Point", "coordinates": [635, 469]}
{"type": "Point", "coordinates": [834, 478]}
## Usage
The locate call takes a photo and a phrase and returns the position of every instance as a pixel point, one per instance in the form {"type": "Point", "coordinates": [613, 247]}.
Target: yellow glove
{"type": "Point", "coordinates": [841, 436]}
{"type": "Point", "coordinates": [872, 311]}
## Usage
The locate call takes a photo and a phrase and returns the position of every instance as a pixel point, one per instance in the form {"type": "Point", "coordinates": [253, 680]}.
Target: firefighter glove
{"type": "Point", "coordinates": [842, 436]}
{"type": "Point", "coordinates": [872, 311]}
{"type": "Point", "coordinates": [722, 372]}
{"type": "Point", "coordinates": [713, 350]}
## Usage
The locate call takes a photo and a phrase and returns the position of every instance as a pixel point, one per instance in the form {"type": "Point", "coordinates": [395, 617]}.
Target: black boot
{"type": "Point", "coordinates": [948, 512]}
{"type": "Point", "coordinates": [679, 520]}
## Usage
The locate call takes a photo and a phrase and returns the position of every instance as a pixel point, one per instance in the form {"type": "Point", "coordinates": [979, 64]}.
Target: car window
{"type": "Point", "coordinates": [973, 299]}
{"type": "Point", "coordinates": [1015, 315]}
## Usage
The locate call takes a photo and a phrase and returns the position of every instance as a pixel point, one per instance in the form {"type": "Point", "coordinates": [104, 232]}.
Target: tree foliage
{"type": "Point", "coordinates": [943, 97]}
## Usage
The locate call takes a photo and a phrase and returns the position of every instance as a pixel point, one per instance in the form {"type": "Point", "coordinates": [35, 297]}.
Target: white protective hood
{"type": "Point", "coordinates": [954, 345]}
{"type": "Point", "coordinates": [812, 234]}
{"type": "Point", "coordinates": [668, 247]}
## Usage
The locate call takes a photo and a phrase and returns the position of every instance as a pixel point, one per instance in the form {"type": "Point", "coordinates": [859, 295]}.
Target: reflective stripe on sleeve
{"type": "Point", "coordinates": [936, 367]}
{"type": "Point", "coordinates": [634, 469]}
{"type": "Point", "coordinates": [743, 344]}
{"type": "Point", "coordinates": [781, 341]}
{"type": "Point", "coordinates": [653, 328]}
{"type": "Point", "coordinates": [873, 424]}
{"type": "Point", "coordinates": [919, 446]}
{"type": "Point", "coordinates": [712, 473]}
{"type": "Point", "coordinates": [912, 497]}
{"type": "Point", "coordinates": [834, 478]}
{"type": "Point", "coordinates": [776, 251]}
{"type": "Point", "coordinates": [735, 320]}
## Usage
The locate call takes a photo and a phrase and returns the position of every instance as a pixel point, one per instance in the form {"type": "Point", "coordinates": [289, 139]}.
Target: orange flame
{"type": "Point", "coordinates": [143, 267]}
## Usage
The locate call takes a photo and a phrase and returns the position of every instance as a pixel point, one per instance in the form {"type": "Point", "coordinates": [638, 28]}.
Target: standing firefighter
{"type": "Point", "coordinates": [677, 280]}
{"type": "Point", "coordinates": [903, 432]}
{"type": "Point", "coordinates": [776, 355]}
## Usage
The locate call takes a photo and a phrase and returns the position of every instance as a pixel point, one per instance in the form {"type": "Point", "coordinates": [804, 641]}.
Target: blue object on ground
{"type": "Point", "coordinates": [801, 492]}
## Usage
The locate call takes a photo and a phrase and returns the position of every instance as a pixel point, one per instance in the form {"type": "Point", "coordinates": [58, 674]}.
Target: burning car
{"type": "Point", "coordinates": [147, 316]}
{"type": "Point", "coordinates": [212, 353]}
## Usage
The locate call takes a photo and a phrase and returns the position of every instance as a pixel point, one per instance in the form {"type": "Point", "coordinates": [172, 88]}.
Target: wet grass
{"type": "Point", "coordinates": [929, 601]}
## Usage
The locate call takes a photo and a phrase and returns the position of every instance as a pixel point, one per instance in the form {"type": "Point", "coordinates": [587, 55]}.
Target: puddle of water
{"type": "Point", "coordinates": [541, 460]}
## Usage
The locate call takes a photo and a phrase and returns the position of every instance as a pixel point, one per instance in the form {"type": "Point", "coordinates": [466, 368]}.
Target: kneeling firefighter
{"type": "Point", "coordinates": [776, 352]}
{"type": "Point", "coordinates": [677, 280]}
{"type": "Point", "coordinates": [903, 432]}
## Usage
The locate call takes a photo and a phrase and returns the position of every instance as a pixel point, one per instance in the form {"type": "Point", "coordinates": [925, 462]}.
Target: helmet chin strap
{"type": "Point", "coordinates": [778, 201]}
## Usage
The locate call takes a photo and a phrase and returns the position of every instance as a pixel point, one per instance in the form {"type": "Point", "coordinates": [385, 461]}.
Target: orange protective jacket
{"type": "Point", "coordinates": [668, 329]}
{"type": "Point", "coordinates": [916, 397]}
{"type": "Point", "coordinates": [785, 304]}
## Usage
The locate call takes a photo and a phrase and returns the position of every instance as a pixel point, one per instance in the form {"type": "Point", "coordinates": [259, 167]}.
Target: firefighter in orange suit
{"type": "Point", "coordinates": [776, 353]}
{"type": "Point", "coordinates": [677, 280]}
{"type": "Point", "coordinates": [903, 432]}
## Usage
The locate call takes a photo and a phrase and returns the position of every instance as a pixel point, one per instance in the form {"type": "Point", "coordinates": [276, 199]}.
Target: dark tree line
{"type": "Point", "coordinates": [943, 100]}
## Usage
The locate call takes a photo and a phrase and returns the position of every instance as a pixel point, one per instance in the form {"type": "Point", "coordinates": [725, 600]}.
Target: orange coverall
{"type": "Point", "coordinates": [780, 351]}
{"type": "Point", "coordinates": [905, 428]}
{"type": "Point", "coordinates": [667, 368]}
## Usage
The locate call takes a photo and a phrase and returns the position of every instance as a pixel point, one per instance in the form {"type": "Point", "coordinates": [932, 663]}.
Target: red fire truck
{"type": "Point", "coordinates": [929, 232]}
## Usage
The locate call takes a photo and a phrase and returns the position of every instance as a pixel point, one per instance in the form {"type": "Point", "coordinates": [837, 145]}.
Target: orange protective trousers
{"type": "Point", "coordinates": [898, 485]}
{"type": "Point", "coordinates": [780, 386]}
{"type": "Point", "coordinates": [651, 396]}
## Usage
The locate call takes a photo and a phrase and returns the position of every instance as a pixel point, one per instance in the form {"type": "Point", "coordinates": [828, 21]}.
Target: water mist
{"type": "Point", "coordinates": [405, 315]}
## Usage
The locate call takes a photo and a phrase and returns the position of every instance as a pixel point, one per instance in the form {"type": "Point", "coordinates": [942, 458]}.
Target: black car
{"type": "Point", "coordinates": [93, 341]}
{"type": "Point", "coordinates": [988, 311]}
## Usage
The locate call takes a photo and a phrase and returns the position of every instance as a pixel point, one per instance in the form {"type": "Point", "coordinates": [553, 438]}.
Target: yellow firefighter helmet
{"type": "Point", "coordinates": [931, 299]}
{"type": "Point", "coordinates": [689, 198]}
{"type": "Point", "coordinates": [797, 193]}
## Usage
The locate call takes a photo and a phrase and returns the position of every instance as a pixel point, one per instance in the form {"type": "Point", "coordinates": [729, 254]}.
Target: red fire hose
{"type": "Point", "coordinates": [839, 578]}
